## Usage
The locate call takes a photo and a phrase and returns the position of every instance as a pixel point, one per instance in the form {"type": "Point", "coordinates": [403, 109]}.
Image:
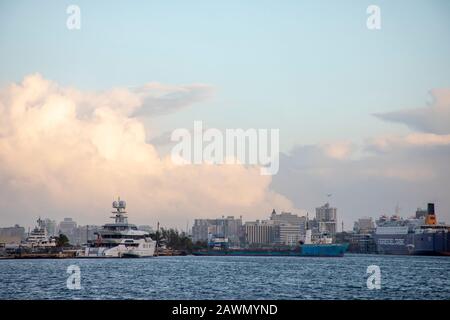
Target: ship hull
{"type": "Point", "coordinates": [309, 250]}
{"type": "Point", "coordinates": [143, 250]}
{"type": "Point", "coordinates": [396, 244]}
{"type": "Point", "coordinates": [430, 244]}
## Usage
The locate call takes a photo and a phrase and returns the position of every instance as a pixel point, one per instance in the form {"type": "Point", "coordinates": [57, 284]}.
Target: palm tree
{"type": "Point", "coordinates": [62, 240]}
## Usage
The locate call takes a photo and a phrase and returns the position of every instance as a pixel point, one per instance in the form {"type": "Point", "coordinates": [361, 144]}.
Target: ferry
{"type": "Point", "coordinates": [119, 239]}
{"type": "Point", "coordinates": [414, 236]}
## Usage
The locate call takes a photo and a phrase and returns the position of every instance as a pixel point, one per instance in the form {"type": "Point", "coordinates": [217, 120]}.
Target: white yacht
{"type": "Point", "coordinates": [38, 237]}
{"type": "Point", "coordinates": [120, 239]}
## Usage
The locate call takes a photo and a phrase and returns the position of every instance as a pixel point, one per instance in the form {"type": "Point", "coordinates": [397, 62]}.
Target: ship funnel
{"type": "Point", "coordinates": [430, 219]}
{"type": "Point", "coordinates": [431, 208]}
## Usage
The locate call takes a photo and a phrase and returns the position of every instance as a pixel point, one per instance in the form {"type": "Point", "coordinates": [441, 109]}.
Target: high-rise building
{"type": "Point", "coordinates": [232, 229]}
{"type": "Point", "coordinates": [364, 225]}
{"type": "Point", "coordinates": [67, 226]}
{"type": "Point", "coordinates": [82, 234]}
{"type": "Point", "coordinates": [287, 234]}
{"type": "Point", "coordinates": [50, 226]}
{"type": "Point", "coordinates": [12, 234]}
{"type": "Point", "coordinates": [260, 232]}
{"type": "Point", "coordinates": [291, 219]}
{"type": "Point", "coordinates": [225, 227]}
{"type": "Point", "coordinates": [201, 229]}
{"type": "Point", "coordinates": [326, 213]}
{"type": "Point", "coordinates": [289, 228]}
{"type": "Point", "coordinates": [326, 219]}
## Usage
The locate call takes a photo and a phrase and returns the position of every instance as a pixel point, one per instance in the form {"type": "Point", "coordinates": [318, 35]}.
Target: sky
{"type": "Point", "coordinates": [363, 114]}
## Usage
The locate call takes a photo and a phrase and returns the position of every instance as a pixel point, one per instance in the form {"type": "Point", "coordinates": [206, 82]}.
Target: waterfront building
{"type": "Point", "coordinates": [12, 234]}
{"type": "Point", "coordinates": [83, 234]}
{"type": "Point", "coordinates": [51, 227]}
{"type": "Point", "coordinates": [225, 227]}
{"type": "Point", "coordinates": [260, 232]}
{"type": "Point", "coordinates": [201, 229]}
{"type": "Point", "coordinates": [362, 243]}
{"type": "Point", "coordinates": [358, 243]}
{"type": "Point", "coordinates": [326, 213]}
{"type": "Point", "coordinates": [319, 229]}
{"type": "Point", "coordinates": [289, 218]}
{"type": "Point", "coordinates": [326, 219]}
{"type": "Point", "coordinates": [364, 226]}
{"type": "Point", "coordinates": [287, 234]}
{"type": "Point", "coordinates": [67, 226]}
{"type": "Point", "coordinates": [289, 228]}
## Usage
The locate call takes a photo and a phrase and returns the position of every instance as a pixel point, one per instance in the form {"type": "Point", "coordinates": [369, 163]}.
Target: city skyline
{"type": "Point", "coordinates": [187, 228]}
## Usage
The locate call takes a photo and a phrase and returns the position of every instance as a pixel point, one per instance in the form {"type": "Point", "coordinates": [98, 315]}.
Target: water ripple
{"type": "Point", "coordinates": [403, 277]}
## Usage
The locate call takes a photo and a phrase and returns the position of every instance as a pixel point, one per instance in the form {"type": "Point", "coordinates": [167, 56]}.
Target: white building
{"type": "Point", "coordinates": [67, 226]}
{"type": "Point", "coordinates": [288, 234]}
{"type": "Point", "coordinates": [225, 227]}
{"type": "Point", "coordinates": [326, 219]}
{"type": "Point", "coordinates": [364, 225]}
{"type": "Point", "coordinates": [51, 227]}
{"type": "Point", "coordinates": [260, 232]}
{"type": "Point", "coordinates": [289, 228]}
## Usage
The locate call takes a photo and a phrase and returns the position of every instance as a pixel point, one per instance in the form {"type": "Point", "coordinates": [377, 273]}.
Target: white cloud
{"type": "Point", "coordinates": [64, 152]}
{"type": "Point", "coordinates": [158, 99]}
{"type": "Point", "coordinates": [433, 119]}
{"type": "Point", "coordinates": [339, 150]}
{"type": "Point", "coordinates": [371, 178]}
{"type": "Point", "coordinates": [412, 140]}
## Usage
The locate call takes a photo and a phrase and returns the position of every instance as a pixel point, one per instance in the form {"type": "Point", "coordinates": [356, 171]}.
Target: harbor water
{"type": "Point", "coordinates": [189, 277]}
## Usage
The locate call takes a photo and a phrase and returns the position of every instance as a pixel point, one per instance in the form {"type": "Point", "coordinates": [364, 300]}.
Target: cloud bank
{"type": "Point", "coordinates": [373, 177]}
{"type": "Point", "coordinates": [64, 152]}
{"type": "Point", "coordinates": [432, 119]}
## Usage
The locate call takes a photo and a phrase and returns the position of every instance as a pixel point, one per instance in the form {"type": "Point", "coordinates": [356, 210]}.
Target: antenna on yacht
{"type": "Point", "coordinates": [157, 238]}
{"type": "Point", "coordinates": [120, 213]}
{"type": "Point", "coordinates": [397, 209]}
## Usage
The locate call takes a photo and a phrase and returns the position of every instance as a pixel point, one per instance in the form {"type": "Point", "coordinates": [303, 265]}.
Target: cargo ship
{"type": "Point", "coordinates": [323, 249]}
{"type": "Point", "coordinates": [305, 250]}
{"type": "Point", "coordinates": [421, 235]}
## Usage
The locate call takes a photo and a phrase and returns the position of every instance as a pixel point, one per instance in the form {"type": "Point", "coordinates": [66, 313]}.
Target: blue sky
{"type": "Point", "coordinates": [310, 68]}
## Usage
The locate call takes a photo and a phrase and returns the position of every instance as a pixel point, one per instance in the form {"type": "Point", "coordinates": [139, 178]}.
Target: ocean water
{"type": "Point", "coordinates": [189, 277]}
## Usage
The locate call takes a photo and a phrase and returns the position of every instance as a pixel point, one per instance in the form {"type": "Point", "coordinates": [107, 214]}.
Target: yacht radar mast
{"type": "Point", "coordinates": [120, 213]}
